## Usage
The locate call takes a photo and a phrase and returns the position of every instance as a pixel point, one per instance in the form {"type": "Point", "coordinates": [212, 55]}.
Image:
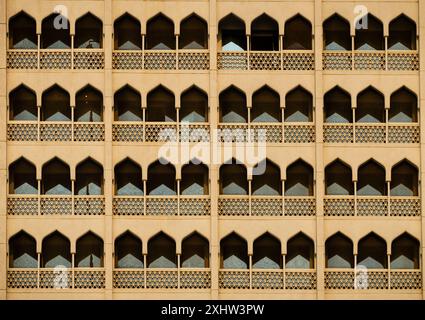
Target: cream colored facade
{"type": "Point", "coordinates": [215, 215]}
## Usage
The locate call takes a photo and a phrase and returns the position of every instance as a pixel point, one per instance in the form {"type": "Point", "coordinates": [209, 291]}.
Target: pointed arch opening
{"type": "Point", "coordinates": [336, 33]}
{"type": "Point", "coordinates": [127, 33]}
{"type": "Point", "coordinates": [55, 32]}
{"type": "Point", "coordinates": [88, 105]}
{"type": "Point", "coordinates": [161, 251]}
{"type": "Point", "coordinates": [22, 32]}
{"type": "Point", "coordinates": [403, 106]}
{"type": "Point", "coordinates": [232, 33]}
{"type": "Point", "coordinates": [300, 252]}
{"type": "Point", "coordinates": [339, 179]}
{"type": "Point", "coordinates": [194, 179]}
{"type": "Point", "coordinates": [234, 252]}
{"type": "Point", "coordinates": [56, 178]}
{"type": "Point", "coordinates": [88, 32]}
{"type": "Point", "coordinates": [89, 178]}
{"type": "Point", "coordinates": [194, 105]}
{"type": "Point", "coordinates": [370, 106]}
{"type": "Point", "coordinates": [22, 177]}
{"type": "Point", "coordinates": [405, 252]}
{"type": "Point", "coordinates": [128, 178]}
{"type": "Point", "coordinates": [128, 104]}
{"type": "Point", "coordinates": [299, 179]}
{"type": "Point", "coordinates": [55, 104]}
{"type": "Point", "coordinates": [23, 251]}
{"type": "Point", "coordinates": [266, 106]}
{"type": "Point", "coordinates": [23, 104]}
{"type": "Point", "coordinates": [195, 251]}
{"type": "Point", "coordinates": [339, 251]}
{"type": "Point", "coordinates": [161, 105]}
{"type": "Point", "coordinates": [233, 179]}
{"type": "Point", "coordinates": [56, 251]}
{"type": "Point", "coordinates": [371, 179]}
{"type": "Point", "coordinates": [299, 105]}
{"type": "Point", "coordinates": [128, 251]}
{"type": "Point", "coordinates": [233, 108]}
{"type": "Point", "coordinates": [337, 106]}
{"type": "Point", "coordinates": [264, 34]}
{"type": "Point", "coordinates": [160, 33]}
{"type": "Point", "coordinates": [404, 180]}
{"type": "Point", "coordinates": [269, 182]}
{"type": "Point", "coordinates": [267, 252]}
{"type": "Point", "coordinates": [372, 252]}
{"type": "Point", "coordinates": [89, 251]}
{"type": "Point", "coordinates": [161, 179]}
{"type": "Point", "coordinates": [298, 34]}
{"type": "Point", "coordinates": [370, 37]}
{"type": "Point", "coordinates": [402, 34]}
{"type": "Point", "coordinates": [193, 33]}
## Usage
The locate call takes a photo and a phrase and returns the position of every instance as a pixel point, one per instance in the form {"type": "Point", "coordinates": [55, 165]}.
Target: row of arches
{"type": "Point", "coordinates": [233, 179]}
{"type": "Point", "coordinates": [264, 33]}
{"type": "Point", "coordinates": [267, 252]}
{"type": "Point", "coordinates": [161, 105]}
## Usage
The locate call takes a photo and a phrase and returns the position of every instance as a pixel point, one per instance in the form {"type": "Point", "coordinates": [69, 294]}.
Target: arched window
{"type": "Point", "coordinates": [160, 33]}
{"type": "Point", "coordinates": [233, 179]}
{"type": "Point", "coordinates": [298, 34]}
{"type": "Point", "coordinates": [337, 106]}
{"type": "Point", "coordinates": [89, 178]}
{"type": "Point", "coordinates": [89, 251]}
{"type": "Point", "coordinates": [336, 33]}
{"type": "Point", "coordinates": [55, 32]}
{"type": "Point", "coordinates": [300, 252]}
{"type": "Point", "coordinates": [339, 251]}
{"type": "Point", "coordinates": [194, 179]}
{"type": "Point", "coordinates": [267, 253]}
{"type": "Point", "coordinates": [338, 179]}
{"type": "Point", "coordinates": [56, 178]}
{"type": "Point", "coordinates": [234, 252]}
{"type": "Point", "coordinates": [268, 182]}
{"type": "Point", "coordinates": [194, 105]}
{"type": "Point", "coordinates": [22, 177]}
{"type": "Point", "coordinates": [22, 104]}
{"type": "Point", "coordinates": [232, 33]}
{"type": "Point", "coordinates": [404, 179]}
{"type": "Point", "coordinates": [161, 179]}
{"type": "Point", "coordinates": [233, 108]}
{"type": "Point", "coordinates": [264, 34]}
{"type": "Point", "coordinates": [161, 105]}
{"type": "Point", "coordinates": [127, 105]}
{"type": "Point", "coordinates": [22, 251]}
{"type": "Point", "coordinates": [56, 251]}
{"type": "Point", "coordinates": [372, 252]}
{"type": "Point", "coordinates": [405, 252]}
{"type": "Point", "coordinates": [162, 251]}
{"type": "Point", "coordinates": [127, 33]}
{"type": "Point", "coordinates": [128, 178]}
{"type": "Point", "coordinates": [195, 251]}
{"type": "Point", "coordinates": [22, 32]}
{"type": "Point", "coordinates": [299, 179]}
{"type": "Point", "coordinates": [402, 34]}
{"type": "Point", "coordinates": [403, 106]}
{"type": "Point", "coordinates": [299, 105]}
{"type": "Point", "coordinates": [266, 106]}
{"type": "Point", "coordinates": [128, 251]}
{"type": "Point", "coordinates": [370, 106]}
{"type": "Point", "coordinates": [371, 179]}
{"type": "Point", "coordinates": [193, 33]}
{"type": "Point", "coordinates": [88, 105]}
{"type": "Point", "coordinates": [370, 37]}
{"type": "Point", "coordinates": [55, 104]}
{"type": "Point", "coordinates": [88, 32]}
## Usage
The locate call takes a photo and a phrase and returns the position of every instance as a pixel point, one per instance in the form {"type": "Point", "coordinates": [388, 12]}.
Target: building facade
{"type": "Point", "coordinates": [292, 134]}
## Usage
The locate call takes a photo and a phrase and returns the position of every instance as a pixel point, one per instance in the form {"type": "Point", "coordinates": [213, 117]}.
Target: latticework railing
{"type": "Point", "coordinates": [194, 206]}
{"type": "Point", "coordinates": [55, 205]}
{"type": "Point", "coordinates": [22, 59]}
{"type": "Point", "coordinates": [270, 132]}
{"type": "Point", "coordinates": [89, 59]}
{"type": "Point", "coordinates": [128, 205]}
{"type": "Point", "coordinates": [339, 279]}
{"type": "Point", "coordinates": [183, 278]}
{"type": "Point", "coordinates": [89, 205]}
{"type": "Point", "coordinates": [55, 131]}
{"type": "Point", "coordinates": [193, 60]}
{"type": "Point", "coordinates": [265, 60]}
{"type": "Point", "coordinates": [337, 60]}
{"type": "Point", "coordinates": [405, 206]}
{"type": "Point", "coordinates": [160, 131]}
{"type": "Point", "coordinates": [160, 60]}
{"type": "Point", "coordinates": [369, 60]}
{"type": "Point", "coordinates": [403, 60]}
{"type": "Point", "coordinates": [233, 279]}
{"type": "Point", "coordinates": [127, 132]}
{"type": "Point", "coordinates": [22, 131]}
{"type": "Point", "coordinates": [233, 205]}
{"type": "Point", "coordinates": [300, 206]}
{"type": "Point", "coordinates": [56, 278]}
{"type": "Point", "coordinates": [266, 206]}
{"type": "Point", "coordinates": [298, 60]}
{"type": "Point", "coordinates": [89, 131]}
{"type": "Point", "coordinates": [232, 60]}
{"type": "Point", "coordinates": [18, 205]}
{"type": "Point", "coordinates": [194, 132]}
{"type": "Point", "coordinates": [299, 133]}
{"type": "Point", "coordinates": [161, 206]}
{"type": "Point", "coordinates": [338, 133]}
{"type": "Point", "coordinates": [372, 206]}
{"type": "Point", "coordinates": [233, 132]}
{"type": "Point", "coordinates": [407, 133]}
{"type": "Point", "coordinates": [370, 133]}
{"type": "Point", "coordinates": [339, 206]}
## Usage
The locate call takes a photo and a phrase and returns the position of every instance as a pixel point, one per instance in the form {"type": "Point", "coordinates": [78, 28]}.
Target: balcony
{"type": "Point", "coordinates": [268, 279]}
{"type": "Point", "coordinates": [57, 131]}
{"type": "Point", "coordinates": [51, 278]}
{"type": "Point", "coordinates": [374, 279]}
{"type": "Point", "coordinates": [55, 205]}
{"type": "Point", "coordinates": [174, 278]}
{"type": "Point", "coordinates": [288, 60]}
{"type": "Point", "coordinates": [235, 206]}
{"type": "Point", "coordinates": [161, 59]}
{"type": "Point", "coordinates": [375, 60]}
{"type": "Point", "coordinates": [59, 59]}
{"type": "Point", "coordinates": [372, 206]}
{"type": "Point", "coordinates": [407, 133]}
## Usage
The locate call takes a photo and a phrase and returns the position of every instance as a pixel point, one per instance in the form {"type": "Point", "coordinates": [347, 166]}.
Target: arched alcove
{"type": "Point", "coordinates": [89, 251]}
{"type": "Point", "coordinates": [233, 179]}
{"type": "Point", "coordinates": [338, 179]}
{"type": "Point", "coordinates": [128, 251]}
{"type": "Point", "coordinates": [161, 179]}
{"type": "Point", "coordinates": [161, 251]}
{"type": "Point", "coordinates": [300, 252]}
{"type": "Point", "coordinates": [56, 178]}
{"type": "Point", "coordinates": [370, 106]}
{"type": "Point", "coordinates": [232, 33]}
{"type": "Point", "coordinates": [299, 179]}
{"type": "Point", "coordinates": [337, 106]}
{"type": "Point", "coordinates": [372, 252]}
{"type": "Point", "coordinates": [194, 179]}
{"type": "Point", "coordinates": [127, 33]}
{"type": "Point", "coordinates": [232, 102]}
{"type": "Point", "coordinates": [55, 32]}
{"type": "Point", "coordinates": [371, 179]}
{"type": "Point", "coordinates": [299, 105]}
{"type": "Point", "coordinates": [22, 251]}
{"type": "Point", "coordinates": [23, 104]}
{"type": "Point", "coordinates": [128, 178]}
{"type": "Point", "coordinates": [269, 182]}
{"type": "Point", "coordinates": [298, 34]}
{"type": "Point", "coordinates": [127, 104]}
{"type": "Point", "coordinates": [88, 32]}
{"type": "Point", "coordinates": [404, 180]}
{"type": "Point", "coordinates": [161, 105]}
{"type": "Point", "coordinates": [194, 105]}
{"type": "Point", "coordinates": [56, 251]}
{"type": "Point", "coordinates": [336, 33]}
{"type": "Point", "coordinates": [339, 251]}
{"type": "Point", "coordinates": [267, 252]}
{"type": "Point", "coordinates": [22, 32]}
{"type": "Point", "coordinates": [369, 34]}
{"type": "Point", "coordinates": [264, 34]}
{"type": "Point", "coordinates": [160, 33]}
{"type": "Point", "coordinates": [234, 252]}
{"type": "Point", "coordinates": [405, 252]}
{"type": "Point", "coordinates": [193, 33]}
{"type": "Point", "coordinates": [89, 178]}
{"type": "Point", "coordinates": [88, 105]}
{"type": "Point", "coordinates": [402, 34]}
{"type": "Point", "coordinates": [55, 104]}
{"type": "Point", "coordinates": [22, 177]}
{"type": "Point", "coordinates": [266, 106]}
{"type": "Point", "coordinates": [195, 251]}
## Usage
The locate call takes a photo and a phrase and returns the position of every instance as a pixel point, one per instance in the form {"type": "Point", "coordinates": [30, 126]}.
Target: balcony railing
{"type": "Point", "coordinates": [371, 133]}
{"type": "Point", "coordinates": [373, 279]}
{"type": "Point", "coordinates": [56, 278]}
{"type": "Point", "coordinates": [269, 279]}
{"type": "Point", "coordinates": [286, 132]}
{"type": "Point", "coordinates": [349, 206]}
{"type": "Point", "coordinates": [55, 131]}
{"type": "Point", "coordinates": [233, 205]}
{"type": "Point", "coordinates": [56, 59]}
{"type": "Point", "coordinates": [266, 60]}
{"type": "Point", "coordinates": [171, 278]}
{"type": "Point", "coordinates": [371, 60]}
{"type": "Point", "coordinates": [181, 205]}
{"type": "Point", "coordinates": [131, 131]}
{"type": "Point", "coordinates": [54, 205]}
{"type": "Point", "coordinates": [161, 59]}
